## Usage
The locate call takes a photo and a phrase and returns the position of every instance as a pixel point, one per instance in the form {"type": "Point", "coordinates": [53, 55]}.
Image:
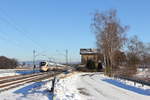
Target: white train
{"type": "Point", "coordinates": [44, 66]}
{"type": "Point", "coordinates": [48, 66]}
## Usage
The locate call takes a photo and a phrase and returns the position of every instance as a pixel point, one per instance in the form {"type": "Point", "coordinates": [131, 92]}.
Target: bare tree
{"type": "Point", "coordinates": [138, 48]}
{"type": "Point", "coordinates": [110, 35]}
{"type": "Point", "coordinates": [135, 55]}
{"type": "Point", "coordinates": [145, 54]}
{"type": "Point", "coordinates": [135, 46]}
{"type": "Point", "coordinates": [119, 58]}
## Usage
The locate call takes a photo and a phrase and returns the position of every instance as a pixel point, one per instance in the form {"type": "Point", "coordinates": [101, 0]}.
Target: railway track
{"type": "Point", "coordinates": [12, 82]}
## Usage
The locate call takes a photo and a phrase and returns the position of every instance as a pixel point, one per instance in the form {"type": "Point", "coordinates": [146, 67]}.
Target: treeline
{"type": "Point", "coordinates": [121, 54]}
{"type": "Point", "coordinates": [7, 63]}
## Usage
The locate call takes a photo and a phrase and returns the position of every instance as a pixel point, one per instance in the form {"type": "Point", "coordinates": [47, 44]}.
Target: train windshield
{"type": "Point", "coordinates": [42, 63]}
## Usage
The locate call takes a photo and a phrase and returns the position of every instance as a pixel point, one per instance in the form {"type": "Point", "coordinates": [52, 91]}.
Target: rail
{"type": "Point", "coordinates": [12, 83]}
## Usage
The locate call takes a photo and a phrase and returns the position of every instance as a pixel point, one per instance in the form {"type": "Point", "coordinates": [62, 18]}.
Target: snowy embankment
{"type": "Point", "coordinates": [11, 72]}
{"type": "Point", "coordinates": [30, 91]}
{"type": "Point", "coordinates": [95, 86]}
{"type": "Point", "coordinates": [79, 86]}
{"type": "Point", "coordinates": [65, 88]}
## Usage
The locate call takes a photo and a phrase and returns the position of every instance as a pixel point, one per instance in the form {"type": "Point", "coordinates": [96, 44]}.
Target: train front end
{"type": "Point", "coordinates": [44, 66]}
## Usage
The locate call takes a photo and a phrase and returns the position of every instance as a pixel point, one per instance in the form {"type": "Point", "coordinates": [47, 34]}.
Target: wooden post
{"type": "Point", "coordinates": [134, 83]}
{"type": "Point", "coordinates": [53, 85]}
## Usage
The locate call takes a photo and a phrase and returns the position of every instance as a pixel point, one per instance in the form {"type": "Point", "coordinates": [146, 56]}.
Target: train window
{"type": "Point", "coordinates": [42, 63]}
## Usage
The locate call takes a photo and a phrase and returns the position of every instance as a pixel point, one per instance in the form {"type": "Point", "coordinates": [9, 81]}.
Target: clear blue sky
{"type": "Point", "coordinates": [51, 26]}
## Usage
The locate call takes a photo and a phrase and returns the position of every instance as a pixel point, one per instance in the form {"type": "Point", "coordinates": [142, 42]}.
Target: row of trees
{"type": "Point", "coordinates": [7, 63]}
{"type": "Point", "coordinates": [122, 55]}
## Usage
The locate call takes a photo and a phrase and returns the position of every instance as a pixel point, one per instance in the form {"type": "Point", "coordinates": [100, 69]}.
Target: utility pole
{"type": "Point", "coordinates": [66, 57]}
{"type": "Point", "coordinates": [34, 60]}
{"type": "Point", "coordinates": [70, 59]}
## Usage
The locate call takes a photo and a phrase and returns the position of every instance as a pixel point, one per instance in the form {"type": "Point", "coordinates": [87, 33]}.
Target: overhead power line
{"type": "Point", "coordinates": [22, 31]}
{"type": "Point", "coordinates": [12, 41]}
{"type": "Point", "coordinates": [9, 41]}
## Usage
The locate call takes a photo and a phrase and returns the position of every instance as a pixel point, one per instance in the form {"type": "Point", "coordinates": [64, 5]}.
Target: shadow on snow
{"type": "Point", "coordinates": [27, 72]}
{"type": "Point", "coordinates": [128, 87]}
{"type": "Point", "coordinates": [35, 88]}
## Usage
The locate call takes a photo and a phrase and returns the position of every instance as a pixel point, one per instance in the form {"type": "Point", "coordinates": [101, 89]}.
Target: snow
{"type": "Point", "coordinates": [7, 72]}
{"type": "Point", "coordinates": [88, 51]}
{"type": "Point", "coordinates": [65, 89]}
{"type": "Point", "coordinates": [130, 87]}
{"type": "Point", "coordinates": [79, 86]}
{"type": "Point", "coordinates": [11, 72]}
{"type": "Point", "coordinates": [32, 91]}
{"type": "Point", "coordinates": [27, 71]}
{"type": "Point", "coordinates": [95, 86]}
{"type": "Point", "coordinates": [143, 73]}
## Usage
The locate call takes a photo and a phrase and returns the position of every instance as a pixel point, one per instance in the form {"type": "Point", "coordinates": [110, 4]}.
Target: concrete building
{"type": "Point", "coordinates": [90, 54]}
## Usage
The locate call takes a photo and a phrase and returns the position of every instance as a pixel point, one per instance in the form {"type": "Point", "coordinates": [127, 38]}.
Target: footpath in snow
{"type": "Point", "coordinates": [96, 86]}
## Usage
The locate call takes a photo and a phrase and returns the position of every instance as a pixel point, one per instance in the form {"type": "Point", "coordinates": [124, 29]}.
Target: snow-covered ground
{"type": "Point", "coordinates": [79, 86]}
{"type": "Point", "coordinates": [32, 91]}
{"type": "Point", "coordinates": [143, 73]}
{"type": "Point", "coordinates": [11, 72]}
{"type": "Point", "coordinates": [95, 86]}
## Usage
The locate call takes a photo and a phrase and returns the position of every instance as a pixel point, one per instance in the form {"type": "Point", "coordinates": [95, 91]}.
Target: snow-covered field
{"type": "Point", "coordinates": [79, 86]}
{"type": "Point", "coordinates": [11, 72]}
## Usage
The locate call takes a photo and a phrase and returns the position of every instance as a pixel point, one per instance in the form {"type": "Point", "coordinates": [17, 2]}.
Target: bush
{"type": "Point", "coordinates": [90, 64]}
{"type": "Point", "coordinates": [82, 69]}
{"type": "Point", "coordinates": [108, 71]}
{"type": "Point", "coordinates": [7, 63]}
